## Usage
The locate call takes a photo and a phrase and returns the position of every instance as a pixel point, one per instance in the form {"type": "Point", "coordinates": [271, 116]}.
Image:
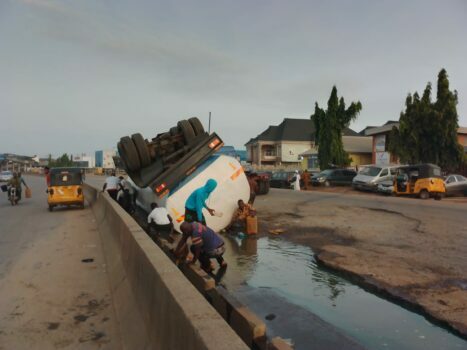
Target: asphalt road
{"type": "Point", "coordinates": [49, 297]}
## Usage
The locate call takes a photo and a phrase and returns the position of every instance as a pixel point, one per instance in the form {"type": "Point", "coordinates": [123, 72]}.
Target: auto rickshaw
{"type": "Point", "coordinates": [65, 187]}
{"type": "Point", "coordinates": [422, 180]}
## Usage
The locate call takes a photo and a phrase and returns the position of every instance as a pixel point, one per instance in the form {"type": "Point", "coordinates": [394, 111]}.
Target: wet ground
{"type": "Point", "coordinates": [282, 283]}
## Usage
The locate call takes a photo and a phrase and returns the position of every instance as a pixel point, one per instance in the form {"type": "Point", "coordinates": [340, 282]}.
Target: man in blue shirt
{"type": "Point", "coordinates": [205, 245]}
{"type": "Point", "coordinates": [197, 201]}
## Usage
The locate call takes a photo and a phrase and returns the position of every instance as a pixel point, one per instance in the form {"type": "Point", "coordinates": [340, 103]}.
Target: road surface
{"type": "Point", "coordinates": [50, 298]}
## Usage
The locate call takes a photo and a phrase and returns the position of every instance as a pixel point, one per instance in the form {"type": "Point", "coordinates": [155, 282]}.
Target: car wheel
{"type": "Point", "coordinates": [187, 130]}
{"type": "Point", "coordinates": [197, 126]}
{"type": "Point", "coordinates": [51, 207]}
{"type": "Point", "coordinates": [327, 183]}
{"type": "Point", "coordinates": [142, 149]}
{"type": "Point", "coordinates": [424, 194]}
{"type": "Point", "coordinates": [129, 154]}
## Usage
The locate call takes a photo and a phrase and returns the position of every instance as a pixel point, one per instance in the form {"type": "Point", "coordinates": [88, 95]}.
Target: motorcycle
{"type": "Point", "coordinates": [13, 195]}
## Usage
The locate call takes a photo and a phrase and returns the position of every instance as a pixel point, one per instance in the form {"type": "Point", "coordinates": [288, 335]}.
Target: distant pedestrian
{"type": "Point", "coordinates": [111, 185]}
{"type": "Point", "coordinates": [253, 187]}
{"type": "Point", "coordinates": [159, 219]}
{"type": "Point", "coordinates": [47, 175]}
{"type": "Point", "coordinates": [197, 201]}
{"type": "Point", "coordinates": [205, 245]}
{"type": "Point", "coordinates": [296, 185]}
{"type": "Point", "coordinates": [306, 179]}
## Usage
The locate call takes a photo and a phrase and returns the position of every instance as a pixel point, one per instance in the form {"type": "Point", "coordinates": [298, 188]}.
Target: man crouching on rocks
{"type": "Point", "coordinates": [205, 245]}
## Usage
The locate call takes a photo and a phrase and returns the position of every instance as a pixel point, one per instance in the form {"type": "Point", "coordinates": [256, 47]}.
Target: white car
{"type": "Point", "coordinates": [6, 176]}
{"type": "Point", "coordinates": [371, 176]}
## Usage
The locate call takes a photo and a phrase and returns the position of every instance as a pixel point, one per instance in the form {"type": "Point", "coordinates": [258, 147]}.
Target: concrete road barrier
{"type": "Point", "coordinates": [157, 307]}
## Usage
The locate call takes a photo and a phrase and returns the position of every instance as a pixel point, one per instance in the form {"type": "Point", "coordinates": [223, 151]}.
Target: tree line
{"type": "Point", "coordinates": [427, 131]}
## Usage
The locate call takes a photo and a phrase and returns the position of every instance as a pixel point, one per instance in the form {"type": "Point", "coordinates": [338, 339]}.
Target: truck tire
{"type": "Point", "coordinates": [142, 149]}
{"type": "Point", "coordinates": [197, 126]}
{"type": "Point", "coordinates": [187, 130]}
{"type": "Point", "coordinates": [129, 154]}
{"type": "Point", "coordinates": [174, 131]}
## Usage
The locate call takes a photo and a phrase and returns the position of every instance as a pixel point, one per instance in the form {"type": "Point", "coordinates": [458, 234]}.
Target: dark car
{"type": "Point", "coordinates": [282, 179]}
{"type": "Point", "coordinates": [333, 177]}
{"type": "Point", "coordinates": [456, 185]}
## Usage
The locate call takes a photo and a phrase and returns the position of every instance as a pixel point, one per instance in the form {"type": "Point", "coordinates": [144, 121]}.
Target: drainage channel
{"type": "Point", "coordinates": [281, 282]}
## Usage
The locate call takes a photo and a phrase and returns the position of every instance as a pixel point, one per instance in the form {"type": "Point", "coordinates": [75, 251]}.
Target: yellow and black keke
{"type": "Point", "coordinates": [422, 180]}
{"type": "Point", "coordinates": [65, 187]}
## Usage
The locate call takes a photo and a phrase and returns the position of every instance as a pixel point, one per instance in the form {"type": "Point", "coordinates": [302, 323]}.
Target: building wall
{"type": "Point", "coordinates": [103, 159]}
{"type": "Point", "coordinates": [360, 158]}
{"type": "Point", "coordinates": [290, 150]}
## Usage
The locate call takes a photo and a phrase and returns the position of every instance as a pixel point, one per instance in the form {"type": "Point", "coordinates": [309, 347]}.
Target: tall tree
{"type": "Point", "coordinates": [62, 161]}
{"type": "Point", "coordinates": [329, 126]}
{"type": "Point", "coordinates": [427, 130]}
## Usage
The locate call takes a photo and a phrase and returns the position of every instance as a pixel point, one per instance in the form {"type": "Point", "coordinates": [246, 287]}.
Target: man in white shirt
{"type": "Point", "coordinates": [160, 219]}
{"type": "Point", "coordinates": [111, 185]}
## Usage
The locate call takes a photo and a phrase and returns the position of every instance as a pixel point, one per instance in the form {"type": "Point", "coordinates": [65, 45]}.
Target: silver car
{"type": "Point", "coordinates": [370, 176]}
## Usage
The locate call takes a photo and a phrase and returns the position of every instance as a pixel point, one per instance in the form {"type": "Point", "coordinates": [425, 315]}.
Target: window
{"type": "Point", "coordinates": [460, 178]}
{"type": "Point", "coordinates": [450, 179]}
{"type": "Point", "coordinates": [384, 172]}
{"type": "Point", "coordinates": [393, 171]}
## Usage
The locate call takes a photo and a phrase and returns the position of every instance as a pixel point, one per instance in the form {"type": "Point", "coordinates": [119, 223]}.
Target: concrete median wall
{"type": "Point", "coordinates": [157, 307]}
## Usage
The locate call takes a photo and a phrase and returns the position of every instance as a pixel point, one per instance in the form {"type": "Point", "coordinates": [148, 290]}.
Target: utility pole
{"type": "Point", "coordinates": [209, 128]}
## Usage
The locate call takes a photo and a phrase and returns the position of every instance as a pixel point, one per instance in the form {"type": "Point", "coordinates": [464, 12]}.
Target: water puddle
{"type": "Point", "coordinates": [276, 277]}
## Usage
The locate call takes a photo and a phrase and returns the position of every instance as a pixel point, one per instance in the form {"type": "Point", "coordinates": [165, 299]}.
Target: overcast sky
{"type": "Point", "coordinates": [76, 75]}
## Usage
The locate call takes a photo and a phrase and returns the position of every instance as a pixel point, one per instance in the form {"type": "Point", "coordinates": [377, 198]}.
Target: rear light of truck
{"type": "Point", "coordinates": [216, 142]}
{"type": "Point", "coordinates": [160, 188]}
{"type": "Point", "coordinates": [79, 191]}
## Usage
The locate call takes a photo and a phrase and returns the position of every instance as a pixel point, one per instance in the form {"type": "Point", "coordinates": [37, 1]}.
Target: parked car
{"type": "Point", "coordinates": [456, 185]}
{"type": "Point", "coordinates": [333, 177]}
{"type": "Point", "coordinates": [369, 177]}
{"type": "Point", "coordinates": [6, 176]}
{"type": "Point", "coordinates": [282, 179]}
{"type": "Point", "coordinates": [385, 187]}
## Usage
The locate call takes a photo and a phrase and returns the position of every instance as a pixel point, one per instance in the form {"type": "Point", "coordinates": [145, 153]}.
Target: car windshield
{"type": "Point", "coordinates": [370, 171]}
{"type": "Point", "coordinates": [6, 172]}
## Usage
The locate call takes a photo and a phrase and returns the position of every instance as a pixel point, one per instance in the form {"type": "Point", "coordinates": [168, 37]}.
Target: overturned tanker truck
{"type": "Point", "coordinates": [170, 166]}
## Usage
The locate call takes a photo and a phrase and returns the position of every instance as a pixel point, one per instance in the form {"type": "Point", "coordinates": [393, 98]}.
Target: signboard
{"type": "Point", "coordinates": [382, 158]}
{"type": "Point", "coordinates": [380, 143]}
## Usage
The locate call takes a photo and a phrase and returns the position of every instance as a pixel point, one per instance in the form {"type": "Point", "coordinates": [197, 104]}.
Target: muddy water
{"type": "Point", "coordinates": [281, 282]}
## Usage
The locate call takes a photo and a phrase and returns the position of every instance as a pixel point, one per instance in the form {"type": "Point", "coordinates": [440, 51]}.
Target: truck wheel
{"type": "Point", "coordinates": [174, 131]}
{"type": "Point", "coordinates": [142, 149]}
{"type": "Point", "coordinates": [187, 130]}
{"type": "Point", "coordinates": [51, 207]}
{"type": "Point", "coordinates": [129, 154]}
{"type": "Point", "coordinates": [197, 126]}
{"type": "Point", "coordinates": [424, 194]}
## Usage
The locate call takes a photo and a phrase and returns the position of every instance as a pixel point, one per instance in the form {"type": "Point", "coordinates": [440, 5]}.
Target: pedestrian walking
{"type": "Point", "coordinates": [197, 201]}
{"type": "Point", "coordinates": [296, 185]}
{"type": "Point", "coordinates": [111, 185]}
